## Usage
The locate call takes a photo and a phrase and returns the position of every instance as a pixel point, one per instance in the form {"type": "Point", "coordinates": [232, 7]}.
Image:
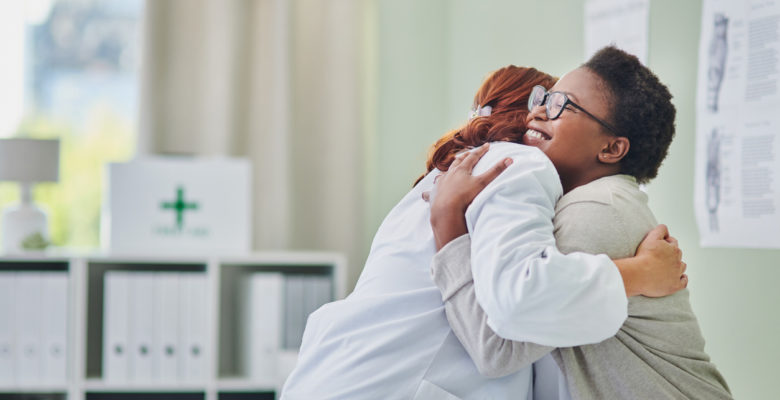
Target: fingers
{"type": "Point", "coordinates": [458, 159]}
{"type": "Point", "coordinates": [673, 241]}
{"type": "Point", "coordinates": [495, 171]}
{"type": "Point", "coordinates": [471, 159]}
{"type": "Point", "coordinates": [660, 232]}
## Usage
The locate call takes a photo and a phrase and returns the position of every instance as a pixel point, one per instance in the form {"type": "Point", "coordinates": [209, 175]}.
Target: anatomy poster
{"type": "Point", "coordinates": [623, 23]}
{"type": "Point", "coordinates": [737, 193]}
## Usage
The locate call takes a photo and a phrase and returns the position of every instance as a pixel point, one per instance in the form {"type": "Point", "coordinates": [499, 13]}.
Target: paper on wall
{"type": "Point", "coordinates": [623, 23]}
{"type": "Point", "coordinates": [738, 124]}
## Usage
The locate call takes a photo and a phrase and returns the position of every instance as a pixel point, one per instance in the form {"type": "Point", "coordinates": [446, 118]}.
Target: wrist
{"type": "Point", "coordinates": [629, 269]}
{"type": "Point", "coordinates": [447, 226]}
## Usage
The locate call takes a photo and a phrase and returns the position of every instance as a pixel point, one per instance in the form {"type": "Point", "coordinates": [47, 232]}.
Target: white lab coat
{"type": "Point", "coordinates": [390, 338]}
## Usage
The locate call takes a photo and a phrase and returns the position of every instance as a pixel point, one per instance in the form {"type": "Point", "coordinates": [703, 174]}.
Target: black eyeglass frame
{"type": "Point", "coordinates": [566, 101]}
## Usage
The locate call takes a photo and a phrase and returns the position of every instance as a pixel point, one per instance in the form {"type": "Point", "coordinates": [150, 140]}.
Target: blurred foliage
{"type": "Point", "coordinates": [74, 203]}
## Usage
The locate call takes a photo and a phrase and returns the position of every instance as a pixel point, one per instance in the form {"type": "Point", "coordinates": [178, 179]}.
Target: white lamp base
{"type": "Point", "coordinates": [21, 222]}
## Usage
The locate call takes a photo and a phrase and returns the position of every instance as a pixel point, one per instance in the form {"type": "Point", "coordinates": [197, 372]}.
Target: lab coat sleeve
{"type": "Point", "coordinates": [529, 290]}
{"type": "Point", "coordinates": [493, 355]}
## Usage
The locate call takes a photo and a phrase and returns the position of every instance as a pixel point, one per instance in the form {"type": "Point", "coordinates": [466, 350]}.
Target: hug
{"type": "Point", "coordinates": [526, 262]}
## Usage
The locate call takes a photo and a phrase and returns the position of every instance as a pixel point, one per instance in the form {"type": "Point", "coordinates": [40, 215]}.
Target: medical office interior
{"type": "Point", "coordinates": [183, 181]}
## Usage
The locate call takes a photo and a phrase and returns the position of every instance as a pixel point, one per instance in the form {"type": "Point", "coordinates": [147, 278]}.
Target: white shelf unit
{"type": "Point", "coordinates": [225, 380]}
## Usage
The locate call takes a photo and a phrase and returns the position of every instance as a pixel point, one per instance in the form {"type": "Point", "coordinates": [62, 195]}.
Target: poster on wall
{"type": "Point", "coordinates": [623, 23]}
{"type": "Point", "coordinates": [737, 173]}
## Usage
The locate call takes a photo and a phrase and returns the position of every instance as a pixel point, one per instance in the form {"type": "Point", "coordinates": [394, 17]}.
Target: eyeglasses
{"type": "Point", "coordinates": [556, 102]}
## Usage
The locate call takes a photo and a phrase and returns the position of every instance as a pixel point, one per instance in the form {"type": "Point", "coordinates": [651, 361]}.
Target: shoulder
{"type": "Point", "coordinates": [526, 156]}
{"type": "Point", "coordinates": [613, 190]}
{"type": "Point", "coordinates": [609, 215]}
{"type": "Point", "coordinates": [531, 171]}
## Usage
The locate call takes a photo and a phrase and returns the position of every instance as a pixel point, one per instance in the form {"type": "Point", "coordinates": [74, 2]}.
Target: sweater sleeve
{"type": "Point", "coordinates": [493, 355]}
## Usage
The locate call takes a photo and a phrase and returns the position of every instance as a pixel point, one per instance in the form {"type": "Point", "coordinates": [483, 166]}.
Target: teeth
{"type": "Point", "coordinates": [535, 134]}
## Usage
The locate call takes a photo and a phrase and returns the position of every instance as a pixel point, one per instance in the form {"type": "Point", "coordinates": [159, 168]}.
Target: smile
{"type": "Point", "coordinates": [537, 135]}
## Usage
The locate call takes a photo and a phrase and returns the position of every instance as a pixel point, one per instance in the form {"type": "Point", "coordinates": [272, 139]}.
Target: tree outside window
{"type": "Point", "coordinates": [71, 73]}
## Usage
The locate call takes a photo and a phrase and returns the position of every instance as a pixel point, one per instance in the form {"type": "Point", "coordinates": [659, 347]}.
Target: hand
{"type": "Point", "coordinates": [659, 270]}
{"type": "Point", "coordinates": [455, 190]}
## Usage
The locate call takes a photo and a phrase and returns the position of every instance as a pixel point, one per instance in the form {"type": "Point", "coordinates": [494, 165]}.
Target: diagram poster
{"type": "Point", "coordinates": [737, 193]}
{"type": "Point", "coordinates": [623, 23]}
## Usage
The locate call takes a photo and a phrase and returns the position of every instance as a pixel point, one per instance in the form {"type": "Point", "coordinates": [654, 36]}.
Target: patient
{"type": "Point", "coordinates": [389, 339]}
{"type": "Point", "coordinates": [601, 155]}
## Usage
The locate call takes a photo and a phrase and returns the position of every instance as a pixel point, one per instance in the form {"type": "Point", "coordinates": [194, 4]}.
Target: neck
{"type": "Point", "coordinates": [589, 176]}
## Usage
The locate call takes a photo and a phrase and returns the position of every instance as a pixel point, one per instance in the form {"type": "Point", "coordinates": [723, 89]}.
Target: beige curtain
{"type": "Point", "coordinates": [278, 82]}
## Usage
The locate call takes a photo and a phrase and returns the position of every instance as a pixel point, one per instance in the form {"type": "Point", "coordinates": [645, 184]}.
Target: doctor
{"type": "Point", "coordinates": [390, 338]}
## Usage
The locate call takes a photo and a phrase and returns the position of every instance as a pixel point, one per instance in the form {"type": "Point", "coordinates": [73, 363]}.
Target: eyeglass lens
{"type": "Point", "coordinates": [536, 99]}
{"type": "Point", "coordinates": [555, 101]}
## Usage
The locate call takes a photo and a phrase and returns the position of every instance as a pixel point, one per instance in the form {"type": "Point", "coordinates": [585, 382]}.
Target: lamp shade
{"type": "Point", "coordinates": [29, 160]}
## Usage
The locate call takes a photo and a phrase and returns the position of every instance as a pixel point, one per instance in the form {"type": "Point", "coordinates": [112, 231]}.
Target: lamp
{"type": "Point", "coordinates": [27, 161]}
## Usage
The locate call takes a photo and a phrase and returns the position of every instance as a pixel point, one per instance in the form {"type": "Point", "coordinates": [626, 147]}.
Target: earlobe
{"type": "Point", "coordinates": [614, 150]}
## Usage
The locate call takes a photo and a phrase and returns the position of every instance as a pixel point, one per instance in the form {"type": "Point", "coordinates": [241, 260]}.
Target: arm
{"type": "Point", "coordinates": [519, 259]}
{"type": "Point", "coordinates": [528, 290]}
{"type": "Point", "coordinates": [493, 355]}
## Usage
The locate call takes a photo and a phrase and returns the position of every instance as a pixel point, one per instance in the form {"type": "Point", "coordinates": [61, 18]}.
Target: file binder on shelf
{"type": "Point", "coordinates": [261, 322]}
{"type": "Point", "coordinates": [7, 329]}
{"type": "Point", "coordinates": [293, 311]}
{"type": "Point", "coordinates": [28, 324]}
{"type": "Point", "coordinates": [116, 308]}
{"type": "Point", "coordinates": [54, 349]}
{"type": "Point", "coordinates": [194, 329]}
{"type": "Point", "coordinates": [166, 359]}
{"type": "Point", "coordinates": [142, 295]}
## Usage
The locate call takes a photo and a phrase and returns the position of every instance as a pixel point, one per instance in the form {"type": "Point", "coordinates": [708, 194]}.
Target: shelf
{"type": "Point", "coordinates": [98, 385]}
{"type": "Point", "coordinates": [39, 388]}
{"type": "Point", "coordinates": [226, 378]}
{"type": "Point", "coordinates": [244, 385]}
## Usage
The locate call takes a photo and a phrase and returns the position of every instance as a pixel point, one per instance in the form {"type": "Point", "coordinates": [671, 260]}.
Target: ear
{"type": "Point", "coordinates": [614, 150]}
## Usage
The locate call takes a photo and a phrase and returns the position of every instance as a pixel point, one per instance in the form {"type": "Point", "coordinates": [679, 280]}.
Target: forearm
{"type": "Point", "coordinates": [629, 271]}
{"type": "Point", "coordinates": [493, 355]}
{"type": "Point", "coordinates": [448, 224]}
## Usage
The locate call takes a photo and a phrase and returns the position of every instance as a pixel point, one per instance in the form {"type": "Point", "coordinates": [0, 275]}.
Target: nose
{"type": "Point", "coordinates": [538, 113]}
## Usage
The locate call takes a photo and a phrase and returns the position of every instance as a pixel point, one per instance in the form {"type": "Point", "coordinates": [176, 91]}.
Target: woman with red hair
{"type": "Point", "coordinates": [390, 339]}
{"type": "Point", "coordinates": [505, 94]}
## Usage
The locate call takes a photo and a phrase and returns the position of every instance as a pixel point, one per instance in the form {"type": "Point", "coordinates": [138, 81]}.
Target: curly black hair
{"type": "Point", "coordinates": [641, 110]}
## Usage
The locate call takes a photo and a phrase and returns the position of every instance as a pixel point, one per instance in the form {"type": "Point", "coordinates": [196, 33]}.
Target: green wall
{"type": "Point", "coordinates": [429, 57]}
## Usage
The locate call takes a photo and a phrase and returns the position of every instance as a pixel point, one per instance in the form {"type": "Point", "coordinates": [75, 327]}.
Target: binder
{"type": "Point", "coordinates": [166, 324]}
{"type": "Point", "coordinates": [7, 330]}
{"type": "Point", "coordinates": [141, 326]}
{"type": "Point", "coordinates": [317, 291]}
{"type": "Point", "coordinates": [54, 327]}
{"type": "Point", "coordinates": [116, 306]}
{"type": "Point", "coordinates": [293, 311]}
{"type": "Point", "coordinates": [28, 327]}
{"type": "Point", "coordinates": [194, 304]}
{"type": "Point", "coordinates": [261, 325]}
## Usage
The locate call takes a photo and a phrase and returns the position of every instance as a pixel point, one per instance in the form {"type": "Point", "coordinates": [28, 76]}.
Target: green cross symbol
{"type": "Point", "coordinates": [180, 206]}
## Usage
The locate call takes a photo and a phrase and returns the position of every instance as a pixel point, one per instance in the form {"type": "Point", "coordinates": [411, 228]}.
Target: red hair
{"type": "Point", "coordinates": [506, 91]}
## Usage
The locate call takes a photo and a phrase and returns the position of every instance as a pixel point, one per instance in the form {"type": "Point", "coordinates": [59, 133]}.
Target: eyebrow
{"type": "Point", "coordinates": [571, 95]}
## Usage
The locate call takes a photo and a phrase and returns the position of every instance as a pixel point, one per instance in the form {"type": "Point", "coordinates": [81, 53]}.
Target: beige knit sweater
{"type": "Point", "coordinates": [657, 354]}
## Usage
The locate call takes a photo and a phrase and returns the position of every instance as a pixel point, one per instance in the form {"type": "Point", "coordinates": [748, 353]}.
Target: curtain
{"type": "Point", "coordinates": [277, 82]}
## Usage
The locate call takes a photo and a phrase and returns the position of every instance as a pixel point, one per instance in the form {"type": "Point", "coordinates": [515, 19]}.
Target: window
{"type": "Point", "coordinates": [70, 71]}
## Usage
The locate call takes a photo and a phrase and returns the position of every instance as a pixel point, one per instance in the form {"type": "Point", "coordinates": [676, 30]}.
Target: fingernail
{"type": "Point", "coordinates": [508, 162]}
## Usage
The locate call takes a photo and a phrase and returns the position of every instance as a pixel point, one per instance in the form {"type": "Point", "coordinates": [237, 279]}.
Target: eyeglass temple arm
{"type": "Point", "coordinates": [597, 119]}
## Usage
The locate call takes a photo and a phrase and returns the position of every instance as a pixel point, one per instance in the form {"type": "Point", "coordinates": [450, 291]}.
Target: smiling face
{"type": "Point", "coordinates": [576, 143]}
